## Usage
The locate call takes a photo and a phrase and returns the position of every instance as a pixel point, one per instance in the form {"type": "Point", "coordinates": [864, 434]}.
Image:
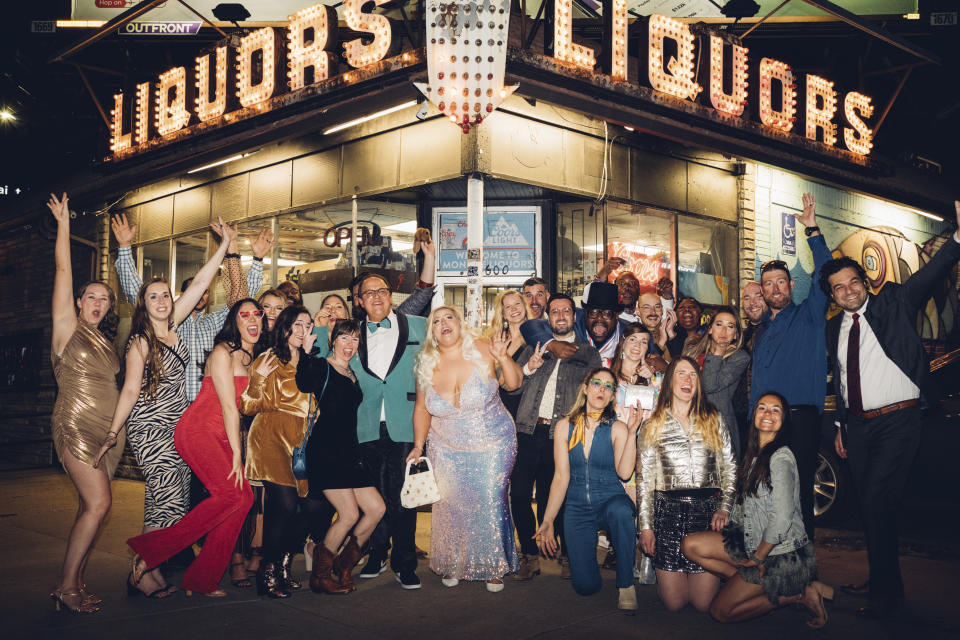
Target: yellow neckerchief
{"type": "Point", "coordinates": [578, 428]}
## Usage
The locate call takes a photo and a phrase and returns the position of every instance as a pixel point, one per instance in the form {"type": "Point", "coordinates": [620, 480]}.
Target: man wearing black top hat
{"type": "Point", "coordinates": [597, 324]}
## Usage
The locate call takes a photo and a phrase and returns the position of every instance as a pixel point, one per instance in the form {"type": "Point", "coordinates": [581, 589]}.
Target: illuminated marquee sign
{"type": "Point", "coordinates": [466, 48]}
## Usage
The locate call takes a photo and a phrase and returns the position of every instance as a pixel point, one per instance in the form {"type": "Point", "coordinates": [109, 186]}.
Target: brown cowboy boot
{"type": "Point", "coordinates": [346, 561]}
{"type": "Point", "coordinates": [321, 580]}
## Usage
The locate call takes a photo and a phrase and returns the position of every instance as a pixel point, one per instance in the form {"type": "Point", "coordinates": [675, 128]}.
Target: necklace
{"type": "Point", "coordinates": [343, 370]}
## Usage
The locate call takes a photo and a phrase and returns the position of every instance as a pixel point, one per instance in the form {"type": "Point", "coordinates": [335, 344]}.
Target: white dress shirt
{"type": "Point", "coordinates": [381, 345]}
{"type": "Point", "coordinates": [882, 382]}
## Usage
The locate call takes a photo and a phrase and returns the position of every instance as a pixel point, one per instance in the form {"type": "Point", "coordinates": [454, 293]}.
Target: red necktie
{"type": "Point", "coordinates": [854, 399]}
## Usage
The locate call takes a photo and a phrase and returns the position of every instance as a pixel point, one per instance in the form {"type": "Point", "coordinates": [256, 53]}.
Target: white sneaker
{"type": "Point", "coordinates": [494, 587]}
{"type": "Point", "coordinates": [449, 582]}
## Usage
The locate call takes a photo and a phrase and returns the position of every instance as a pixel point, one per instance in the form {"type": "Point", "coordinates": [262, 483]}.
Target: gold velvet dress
{"type": "Point", "coordinates": [86, 375]}
{"type": "Point", "coordinates": [280, 424]}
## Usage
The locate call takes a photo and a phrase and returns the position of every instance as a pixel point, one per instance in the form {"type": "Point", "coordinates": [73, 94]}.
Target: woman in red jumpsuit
{"type": "Point", "coordinates": [208, 439]}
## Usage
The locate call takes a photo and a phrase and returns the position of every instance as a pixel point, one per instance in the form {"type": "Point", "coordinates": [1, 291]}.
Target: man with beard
{"type": "Point", "coordinates": [879, 375]}
{"type": "Point", "coordinates": [600, 320]}
{"type": "Point", "coordinates": [650, 310]}
{"type": "Point", "coordinates": [535, 291]}
{"type": "Point", "coordinates": [791, 358]}
{"type": "Point", "coordinates": [550, 386]}
{"type": "Point", "coordinates": [628, 288]}
{"type": "Point", "coordinates": [688, 318]}
{"type": "Point", "coordinates": [751, 301]}
{"type": "Point", "coordinates": [596, 324]}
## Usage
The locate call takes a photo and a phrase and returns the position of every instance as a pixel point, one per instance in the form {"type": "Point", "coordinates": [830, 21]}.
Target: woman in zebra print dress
{"type": "Point", "coordinates": [154, 397]}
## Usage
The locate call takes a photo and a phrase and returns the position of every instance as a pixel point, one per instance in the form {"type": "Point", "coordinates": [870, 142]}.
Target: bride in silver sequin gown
{"type": "Point", "coordinates": [472, 445]}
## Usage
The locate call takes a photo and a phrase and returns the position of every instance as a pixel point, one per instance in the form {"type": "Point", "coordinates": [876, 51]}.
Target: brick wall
{"type": "Point", "coordinates": [746, 226]}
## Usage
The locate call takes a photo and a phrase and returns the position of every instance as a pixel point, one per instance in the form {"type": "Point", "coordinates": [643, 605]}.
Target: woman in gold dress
{"type": "Point", "coordinates": [85, 364]}
{"type": "Point", "coordinates": [280, 424]}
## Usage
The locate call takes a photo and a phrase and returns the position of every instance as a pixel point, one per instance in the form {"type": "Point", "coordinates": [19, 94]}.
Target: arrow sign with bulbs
{"type": "Point", "coordinates": [466, 58]}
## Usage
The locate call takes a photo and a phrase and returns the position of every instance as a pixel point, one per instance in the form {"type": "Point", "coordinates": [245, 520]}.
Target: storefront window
{"type": "Point", "coordinates": [641, 237]}
{"type": "Point", "coordinates": [706, 260]}
{"type": "Point", "coordinates": [156, 260]}
{"type": "Point", "coordinates": [314, 247]}
{"type": "Point", "coordinates": [579, 245]}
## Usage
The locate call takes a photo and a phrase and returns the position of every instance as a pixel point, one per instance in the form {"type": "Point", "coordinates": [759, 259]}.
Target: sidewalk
{"type": "Point", "coordinates": [37, 508]}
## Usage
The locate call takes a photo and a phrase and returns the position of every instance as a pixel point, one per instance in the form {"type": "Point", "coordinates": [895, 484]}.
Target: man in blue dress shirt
{"type": "Point", "coordinates": [790, 355]}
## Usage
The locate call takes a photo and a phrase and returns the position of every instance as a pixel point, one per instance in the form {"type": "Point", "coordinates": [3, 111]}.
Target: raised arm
{"type": "Point", "coordinates": [511, 376]}
{"type": "Point", "coordinates": [238, 289]}
{"type": "Point", "coordinates": [221, 371]}
{"type": "Point", "coordinates": [201, 282]}
{"type": "Point", "coordinates": [132, 383]}
{"type": "Point", "coordinates": [125, 234]}
{"type": "Point", "coordinates": [545, 536]}
{"type": "Point", "coordinates": [261, 248]}
{"type": "Point", "coordinates": [64, 316]}
{"type": "Point", "coordinates": [920, 285]}
{"type": "Point", "coordinates": [816, 301]}
{"type": "Point", "coordinates": [421, 425]}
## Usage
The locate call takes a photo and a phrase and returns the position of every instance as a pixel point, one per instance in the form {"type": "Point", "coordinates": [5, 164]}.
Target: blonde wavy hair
{"type": "Point", "coordinates": [429, 356]}
{"type": "Point", "coordinates": [704, 418]}
{"type": "Point", "coordinates": [496, 323]}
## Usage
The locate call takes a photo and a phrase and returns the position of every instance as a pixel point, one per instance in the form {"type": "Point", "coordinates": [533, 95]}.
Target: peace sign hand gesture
{"type": "Point", "coordinates": [536, 360]}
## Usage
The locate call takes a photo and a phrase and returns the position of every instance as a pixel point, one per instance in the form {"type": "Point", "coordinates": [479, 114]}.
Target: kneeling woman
{"type": "Point", "coordinates": [764, 553]}
{"type": "Point", "coordinates": [686, 478]}
{"type": "Point", "coordinates": [333, 458]}
{"type": "Point", "coordinates": [597, 453]}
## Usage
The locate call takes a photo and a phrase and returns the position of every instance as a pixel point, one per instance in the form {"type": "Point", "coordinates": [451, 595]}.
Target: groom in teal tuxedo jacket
{"type": "Point", "coordinates": [383, 364]}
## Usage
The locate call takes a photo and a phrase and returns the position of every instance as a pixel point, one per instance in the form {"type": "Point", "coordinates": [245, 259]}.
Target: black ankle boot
{"type": "Point", "coordinates": [269, 582]}
{"type": "Point", "coordinates": [286, 577]}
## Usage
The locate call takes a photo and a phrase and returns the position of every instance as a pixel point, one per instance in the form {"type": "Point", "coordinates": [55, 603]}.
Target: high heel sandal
{"type": "Point", "coordinates": [88, 598]}
{"type": "Point", "coordinates": [57, 596]}
{"type": "Point", "coordinates": [133, 590]}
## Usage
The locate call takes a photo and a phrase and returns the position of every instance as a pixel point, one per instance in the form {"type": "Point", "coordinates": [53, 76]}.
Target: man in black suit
{"type": "Point", "coordinates": [879, 375]}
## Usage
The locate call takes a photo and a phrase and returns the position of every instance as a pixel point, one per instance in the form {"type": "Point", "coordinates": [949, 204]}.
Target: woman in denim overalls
{"type": "Point", "coordinates": [597, 453]}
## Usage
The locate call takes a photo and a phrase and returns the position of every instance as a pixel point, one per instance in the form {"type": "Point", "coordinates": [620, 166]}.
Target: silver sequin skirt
{"type": "Point", "coordinates": [677, 514]}
{"type": "Point", "coordinates": [784, 574]}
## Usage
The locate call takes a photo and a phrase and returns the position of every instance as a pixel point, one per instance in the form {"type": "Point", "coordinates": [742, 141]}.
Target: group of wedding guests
{"type": "Point", "coordinates": [345, 403]}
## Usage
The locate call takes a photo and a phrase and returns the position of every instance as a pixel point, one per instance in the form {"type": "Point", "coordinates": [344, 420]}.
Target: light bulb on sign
{"type": "Point", "coordinates": [564, 48]}
{"type": "Point", "coordinates": [262, 40]}
{"type": "Point", "coordinates": [118, 140]}
{"type": "Point", "coordinates": [820, 90]}
{"type": "Point", "coordinates": [677, 80]}
{"type": "Point", "coordinates": [211, 108]}
{"type": "Point", "coordinates": [357, 53]}
{"type": "Point", "coordinates": [858, 138]}
{"type": "Point", "coordinates": [302, 55]}
{"type": "Point", "coordinates": [771, 70]}
{"type": "Point", "coordinates": [143, 113]}
{"type": "Point", "coordinates": [729, 103]}
{"type": "Point", "coordinates": [172, 114]}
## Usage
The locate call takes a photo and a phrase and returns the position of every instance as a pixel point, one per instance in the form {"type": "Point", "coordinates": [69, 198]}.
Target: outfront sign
{"type": "Point", "coordinates": [465, 51]}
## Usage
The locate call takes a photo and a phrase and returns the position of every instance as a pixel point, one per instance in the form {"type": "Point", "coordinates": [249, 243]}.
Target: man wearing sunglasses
{"type": "Point", "coordinates": [790, 355]}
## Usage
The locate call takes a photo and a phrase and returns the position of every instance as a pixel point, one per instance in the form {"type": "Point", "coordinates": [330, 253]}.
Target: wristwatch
{"type": "Point", "coordinates": [809, 231]}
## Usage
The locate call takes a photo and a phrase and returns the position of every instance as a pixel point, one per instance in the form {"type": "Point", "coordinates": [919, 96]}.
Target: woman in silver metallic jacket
{"type": "Point", "coordinates": [764, 552]}
{"type": "Point", "coordinates": [685, 483]}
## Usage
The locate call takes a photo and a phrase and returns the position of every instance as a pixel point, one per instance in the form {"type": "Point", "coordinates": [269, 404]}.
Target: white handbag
{"type": "Point", "coordinates": [419, 488]}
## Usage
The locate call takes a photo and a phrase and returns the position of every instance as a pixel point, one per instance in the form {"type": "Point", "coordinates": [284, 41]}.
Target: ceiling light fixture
{"type": "Point", "coordinates": [372, 116]}
{"type": "Point", "coordinates": [220, 162]}
{"type": "Point", "coordinates": [410, 226]}
{"type": "Point", "coordinates": [7, 116]}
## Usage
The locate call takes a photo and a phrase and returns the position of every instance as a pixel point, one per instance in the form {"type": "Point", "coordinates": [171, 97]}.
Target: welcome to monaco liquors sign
{"type": "Point", "coordinates": [466, 45]}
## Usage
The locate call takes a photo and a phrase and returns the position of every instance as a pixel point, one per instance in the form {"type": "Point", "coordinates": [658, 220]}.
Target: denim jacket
{"type": "Point", "coordinates": [773, 515]}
